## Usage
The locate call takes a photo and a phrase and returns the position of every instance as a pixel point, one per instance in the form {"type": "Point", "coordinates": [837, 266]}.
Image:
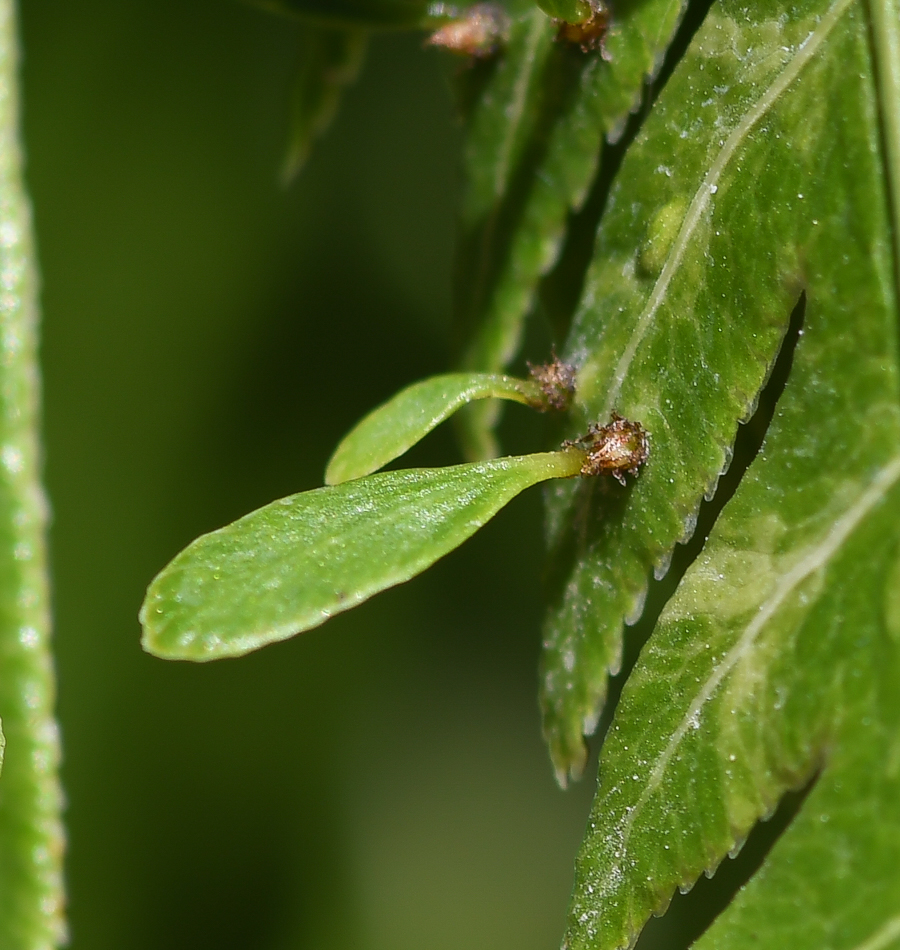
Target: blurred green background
{"type": "Point", "coordinates": [208, 336]}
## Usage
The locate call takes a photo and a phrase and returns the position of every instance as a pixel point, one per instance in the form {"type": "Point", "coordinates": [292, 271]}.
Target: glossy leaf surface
{"type": "Point", "coordinates": [291, 565]}
{"type": "Point", "coordinates": [397, 425]}
{"type": "Point", "coordinates": [533, 148]}
{"type": "Point", "coordinates": [778, 659]}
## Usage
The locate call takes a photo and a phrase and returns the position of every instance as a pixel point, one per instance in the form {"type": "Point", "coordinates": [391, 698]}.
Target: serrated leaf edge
{"type": "Point", "coordinates": [815, 559]}
{"type": "Point", "coordinates": [709, 187]}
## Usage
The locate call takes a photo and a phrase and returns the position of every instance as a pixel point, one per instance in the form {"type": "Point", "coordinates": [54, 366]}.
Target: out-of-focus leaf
{"type": "Point", "coordinates": [330, 59]}
{"type": "Point", "coordinates": [778, 659]}
{"type": "Point", "coordinates": [533, 149]}
{"type": "Point", "coordinates": [364, 14]}
{"type": "Point", "coordinates": [291, 565]}
{"type": "Point", "coordinates": [397, 425]}
{"type": "Point", "coordinates": [777, 155]}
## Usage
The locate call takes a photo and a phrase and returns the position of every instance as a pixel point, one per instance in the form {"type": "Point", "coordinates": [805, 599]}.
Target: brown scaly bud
{"type": "Point", "coordinates": [557, 382]}
{"type": "Point", "coordinates": [614, 449]}
{"type": "Point", "coordinates": [479, 32]}
{"type": "Point", "coordinates": [590, 34]}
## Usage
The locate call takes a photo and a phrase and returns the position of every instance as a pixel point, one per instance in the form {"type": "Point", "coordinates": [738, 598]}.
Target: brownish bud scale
{"type": "Point", "coordinates": [557, 382]}
{"type": "Point", "coordinates": [589, 34]}
{"type": "Point", "coordinates": [479, 32]}
{"type": "Point", "coordinates": [615, 449]}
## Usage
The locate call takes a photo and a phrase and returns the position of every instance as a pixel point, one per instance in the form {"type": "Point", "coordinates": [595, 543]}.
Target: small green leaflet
{"type": "Point", "coordinates": [291, 565]}
{"type": "Point", "coordinates": [777, 661]}
{"type": "Point", "coordinates": [397, 425]}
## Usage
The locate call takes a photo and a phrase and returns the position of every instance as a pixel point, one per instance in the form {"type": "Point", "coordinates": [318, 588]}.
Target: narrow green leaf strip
{"type": "Point", "coordinates": [397, 425]}
{"type": "Point", "coordinates": [31, 841]}
{"type": "Point", "coordinates": [291, 565]}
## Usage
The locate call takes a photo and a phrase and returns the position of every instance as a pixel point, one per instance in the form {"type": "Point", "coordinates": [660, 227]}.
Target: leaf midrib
{"type": "Point", "coordinates": [883, 937]}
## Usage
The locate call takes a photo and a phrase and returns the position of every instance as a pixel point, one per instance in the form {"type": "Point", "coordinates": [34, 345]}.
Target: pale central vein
{"type": "Point", "coordinates": [701, 199]}
{"type": "Point", "coordinates": [516, 108]}
{"type": "Point", "coordinates": [817, 558]}
{"type": "Point", "coordinates": [883, 937]}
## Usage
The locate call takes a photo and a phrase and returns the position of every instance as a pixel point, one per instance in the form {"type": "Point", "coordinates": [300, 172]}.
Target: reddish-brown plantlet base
{"type": "Point", "coordinates": [557, 382]}
{"type": "Point", "coordinates": [590, 34]}
{"type": "Point", "coordinates": [615, 449]}
{"type": "Point", "coordinates": [479, 32]}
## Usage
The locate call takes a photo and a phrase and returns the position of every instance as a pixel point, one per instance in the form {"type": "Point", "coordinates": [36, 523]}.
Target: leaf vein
{"type": "Point", "coordinates": [883, 937]}
{"type": "Point", "coordinates": [516, 108]}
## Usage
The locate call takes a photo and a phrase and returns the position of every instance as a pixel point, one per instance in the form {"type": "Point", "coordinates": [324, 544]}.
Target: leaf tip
{"type": "Point", "coordinates": [568, 759]}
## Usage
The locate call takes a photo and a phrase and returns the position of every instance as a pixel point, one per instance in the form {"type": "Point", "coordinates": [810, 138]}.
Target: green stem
{"type": "Point", "coordinates": [886, 38]}
{"type": "Point", "coordinates": [31, 841]}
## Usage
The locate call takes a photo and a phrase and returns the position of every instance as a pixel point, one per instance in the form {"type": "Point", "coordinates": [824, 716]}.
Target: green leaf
{"type": "Point", "coordinates": [291, 565]}
{"type": "Point", "coordinates": [365, 14]}
{"type": "Point", "coordinates": [778, 659]}
{"type": "Point", "coordinates": [330, 59]}
{"type": "Point", "coordinates": [397, 425]}
{"type": "Point", "coordinates": [686, 349]}
{"type": "Point", "coordinates": [533, 148]}
{"type": "Point", "coordinates": [773, 661]}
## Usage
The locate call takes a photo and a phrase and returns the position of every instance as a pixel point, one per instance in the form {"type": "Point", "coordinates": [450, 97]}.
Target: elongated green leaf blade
{"type": "Point", "coordinates": [290, 566]}
{"type": "Point", "coordinates": [680, 335]}
{"type": "Point", "coordinates": [533, 148]}
{"type": "Point", "coordinates": [32, 842]}
{"type": "Point", "coordinates": [397, 425]}
{"type": "Point", "coordinates": [778, 659]}
{"type": "Point", "coordinates": [769, 662]}
{"type": "Point", "coordinates": [330, 59]}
